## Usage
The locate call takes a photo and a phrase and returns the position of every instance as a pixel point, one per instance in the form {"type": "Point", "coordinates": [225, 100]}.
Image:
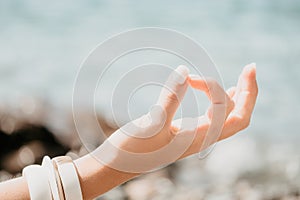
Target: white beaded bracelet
{"type": "Point", "coordinates": [47, 164]}
{"type": "Point", "coordinates": [37, 181]}
{"type": "Point", "coordinates": [69, 178]}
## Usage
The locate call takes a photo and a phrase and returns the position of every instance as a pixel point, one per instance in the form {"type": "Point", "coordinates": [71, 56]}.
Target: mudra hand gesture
{"type": "Point", "coordinates": [156, 139]}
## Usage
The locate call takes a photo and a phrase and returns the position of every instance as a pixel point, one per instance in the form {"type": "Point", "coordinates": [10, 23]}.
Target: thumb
{"type": "Point", "coordinates": [173, 92]}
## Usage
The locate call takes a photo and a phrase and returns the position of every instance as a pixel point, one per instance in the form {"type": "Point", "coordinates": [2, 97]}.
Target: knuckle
{"type": "Point", "coordinates": [157, 122]}
{"type": "Point", "coordinates": [172, 98]}
{"type": "Point", "coordinates": [231, 104]}
{"type": "Point", "coordinates": [244, 122]}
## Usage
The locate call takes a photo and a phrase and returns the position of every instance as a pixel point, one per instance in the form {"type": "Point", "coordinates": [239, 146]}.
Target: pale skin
{"type": "Point", "coordinates": [239, 107]}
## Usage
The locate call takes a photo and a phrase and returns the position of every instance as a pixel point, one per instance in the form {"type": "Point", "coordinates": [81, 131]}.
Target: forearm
{"type": "Point", "coordinates": [14, 189]}
{"type": "Point", "coordinates": [96, 179]}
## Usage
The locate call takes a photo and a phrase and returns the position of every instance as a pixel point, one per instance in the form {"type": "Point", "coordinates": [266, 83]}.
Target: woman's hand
{"type": "Point", "coordinates": [243, 97]}
{"type": "Point", "coordinates": [156, 140]}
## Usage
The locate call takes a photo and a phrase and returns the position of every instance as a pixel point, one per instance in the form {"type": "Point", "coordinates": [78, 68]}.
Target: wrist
{"type": "Point", "coordinates": [96, 178]}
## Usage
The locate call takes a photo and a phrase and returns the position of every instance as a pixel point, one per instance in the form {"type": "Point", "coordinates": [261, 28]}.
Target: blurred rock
{"type": "Point", "coordinates": [240, 168]}
{"type": "Point", "coordinates": [32, 127]}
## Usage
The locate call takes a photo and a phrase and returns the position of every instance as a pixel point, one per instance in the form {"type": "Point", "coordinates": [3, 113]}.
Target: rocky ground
{"type": "Point", "coordinates": [240, 168]}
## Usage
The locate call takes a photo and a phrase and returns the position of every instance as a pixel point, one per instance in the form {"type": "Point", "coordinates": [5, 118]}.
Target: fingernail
{"type": "Point", "coordinates": [182, 73]}
{"type": "Point", "coordinates": [195, 77]}
{"type": "Point", "coordinates": [251, 66]}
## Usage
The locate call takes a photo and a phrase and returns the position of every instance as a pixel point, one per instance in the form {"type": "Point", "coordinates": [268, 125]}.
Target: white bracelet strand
{"type": "Point", "coordinates": [47, 164]}
{"type": "Point", "coordinates": [69, 178]}
{"type": "Point", "coordinates": [37, 181]}
{"type": "Point", "coordinates": [58, 181]}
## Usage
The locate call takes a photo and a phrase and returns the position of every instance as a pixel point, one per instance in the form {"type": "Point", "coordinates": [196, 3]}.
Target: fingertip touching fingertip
{"type": "Point", "coordinates": [183, 73]}
{"type": "Point", "coordinates": [195, 77]}
{"type": "Point", "coordinates": [182, 69]}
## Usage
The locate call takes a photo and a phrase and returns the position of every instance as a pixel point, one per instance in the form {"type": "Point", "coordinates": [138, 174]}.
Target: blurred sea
{"type": "Point", "coordinates": [42, 45]}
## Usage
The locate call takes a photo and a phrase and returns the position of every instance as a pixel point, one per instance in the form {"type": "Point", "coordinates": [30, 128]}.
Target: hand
{"type": "Point", "coordinates": [244, 98]}
{"type": "Point", "coordinates": [155, 140]}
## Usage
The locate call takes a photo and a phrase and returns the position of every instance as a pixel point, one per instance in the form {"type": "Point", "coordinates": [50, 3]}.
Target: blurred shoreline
{"type": "Point", "coordinates": [43, 44]}
{"type": "Point", "coordinates": [242, 167]}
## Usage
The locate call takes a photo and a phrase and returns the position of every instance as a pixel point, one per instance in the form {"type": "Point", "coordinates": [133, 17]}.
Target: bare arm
{"type": "Point", "coordinates": [96, 178]}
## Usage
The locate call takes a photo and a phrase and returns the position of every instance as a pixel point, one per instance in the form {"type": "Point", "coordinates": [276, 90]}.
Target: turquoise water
{"type": "Point", "coordinates": [42, 45]}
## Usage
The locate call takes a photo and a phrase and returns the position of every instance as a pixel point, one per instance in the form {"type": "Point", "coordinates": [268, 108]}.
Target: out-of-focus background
{"type": "Point", "coordinates": [42, 44]}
